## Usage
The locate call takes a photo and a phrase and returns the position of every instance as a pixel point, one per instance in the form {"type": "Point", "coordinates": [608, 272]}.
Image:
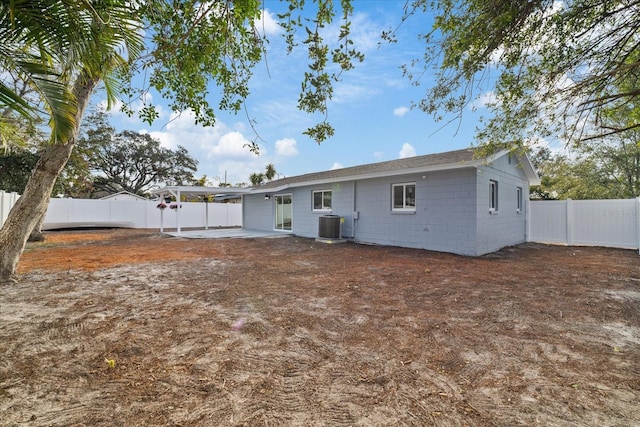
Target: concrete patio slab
{"type": "Point", "coordinates": [226, 233]}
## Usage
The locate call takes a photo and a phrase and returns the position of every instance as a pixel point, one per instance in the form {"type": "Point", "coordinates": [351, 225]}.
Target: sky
{"type": "Point", "coordinates": [370, 110]}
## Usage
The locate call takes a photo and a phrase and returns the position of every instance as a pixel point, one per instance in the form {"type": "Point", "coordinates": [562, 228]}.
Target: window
{"type": "Point", "coordinates": [518, 199]}
{"type": "Point", "coordinates": [322, 200]}
{"type": "Point", "coordinates": [403, 197]}
{"type": "Point", "coordinates": [493, 196]}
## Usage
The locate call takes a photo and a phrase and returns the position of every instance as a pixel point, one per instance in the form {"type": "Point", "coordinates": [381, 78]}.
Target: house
{"type": "Point", "coordinates": [449, 202]}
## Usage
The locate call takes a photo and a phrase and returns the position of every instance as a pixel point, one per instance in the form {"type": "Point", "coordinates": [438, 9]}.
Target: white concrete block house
{"type": "Point", "coordinates": [449, 202]}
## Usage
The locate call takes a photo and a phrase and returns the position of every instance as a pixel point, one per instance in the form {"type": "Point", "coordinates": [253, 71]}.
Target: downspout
{"type": "Point", "coordinates": [354, 214]}
{"type": "Point", "coordinates": [527, 218]}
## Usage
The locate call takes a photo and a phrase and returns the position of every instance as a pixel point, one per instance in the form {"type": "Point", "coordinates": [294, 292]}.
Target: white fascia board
{"type": "Point", "coordinates": [525, 162]}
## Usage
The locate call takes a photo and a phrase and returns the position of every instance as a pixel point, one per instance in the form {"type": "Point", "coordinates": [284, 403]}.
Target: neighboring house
{"type": "Point", "coordinates": [449, 202]}
{"type": "Point", "coordinates": [123, 195]}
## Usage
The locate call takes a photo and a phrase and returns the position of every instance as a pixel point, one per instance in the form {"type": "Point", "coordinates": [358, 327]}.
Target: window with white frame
{"type": "Point", "coordinates": [322, 200]}
{"type": "Point", "coordinates": [403, 197]}
{"type": "Point", "coordinates": [493, 196]}
{"type": "Point", "coordinates": [519, 199]}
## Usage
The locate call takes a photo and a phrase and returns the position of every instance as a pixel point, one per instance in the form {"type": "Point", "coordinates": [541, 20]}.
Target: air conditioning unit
{"type": "Point", "coordinates": [329, 227]}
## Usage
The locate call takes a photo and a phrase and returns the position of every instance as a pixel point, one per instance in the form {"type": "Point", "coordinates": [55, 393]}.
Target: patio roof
{"type": "Point", "coordinates": [199, 190]}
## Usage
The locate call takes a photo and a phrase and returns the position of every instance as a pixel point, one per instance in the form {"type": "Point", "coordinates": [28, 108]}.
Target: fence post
{"type": "Point", "coordinates": [569, 212]}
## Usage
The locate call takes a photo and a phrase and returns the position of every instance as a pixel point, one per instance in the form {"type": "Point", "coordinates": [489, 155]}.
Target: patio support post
{"type": "Point", "coordinates": [178, 213]}
{"type": "Point", "coordinates": [206, 213]}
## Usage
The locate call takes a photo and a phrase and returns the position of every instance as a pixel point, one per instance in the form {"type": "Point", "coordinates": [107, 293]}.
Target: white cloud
{"type": "Point", "coordinates": [134, 120]}
{"type": "Point", "coordinates": [378, 154]}
{"type": "Point", "coordinates": [400, 111]}
{"type": "Point", "coordinates": [407, 151]}
{"type": "Point", "coordinates": [347, 92]}
{"type": "Point", "coordinates": [219, 149]}
{"type": "Point", "coordinates": [336, 165]}
{"type": "Point", "coordinates": [286, 147]}
{"type": "Point", "coordinates": [267, 25]}
{"type": "Point", "coordinates": [483, 100]}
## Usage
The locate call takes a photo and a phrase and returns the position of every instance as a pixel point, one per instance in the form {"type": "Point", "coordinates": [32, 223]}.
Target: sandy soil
{"type": "Point", "coordinates": [131, 328]}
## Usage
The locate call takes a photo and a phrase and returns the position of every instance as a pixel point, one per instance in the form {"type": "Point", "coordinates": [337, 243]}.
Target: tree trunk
{"type": "Point", "coordinates": [36, 234]}
{"type": "Point", "coordinates": [32, 205]}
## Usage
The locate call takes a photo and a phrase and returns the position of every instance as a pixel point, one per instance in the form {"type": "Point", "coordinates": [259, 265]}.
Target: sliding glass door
{"type": "Point", "coordinates": [283, 212]}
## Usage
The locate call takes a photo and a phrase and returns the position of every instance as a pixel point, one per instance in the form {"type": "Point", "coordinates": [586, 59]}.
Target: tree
{"type": "Point", "coordinates": [70, 47]}
{"type": "Point", "coordinates": [270, 172]}
{"type": "Point", "coordinates": [256, 179]}
{"type": "Point", "coordinates": [15, 168]}
{"type": "Point", "coordinates": [608, 170]}
{"type": "Point", "coordinates": [556, 65]}
{"type": "Point", "coordinates": [131, 161]}
{"type": "Point", "coordinates": [134, 162]}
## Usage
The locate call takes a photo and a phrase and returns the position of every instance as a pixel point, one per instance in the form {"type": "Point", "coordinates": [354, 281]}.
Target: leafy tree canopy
{"type": "Point", "coordinates": [552, 66]}
{"type": "Point", "coordinates": [604, 170]}
{"type": "Point", "coordinates": [131, 161]}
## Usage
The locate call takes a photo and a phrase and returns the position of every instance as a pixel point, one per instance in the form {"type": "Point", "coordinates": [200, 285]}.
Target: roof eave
{"type": "Point", "coordinates": [422, 169]}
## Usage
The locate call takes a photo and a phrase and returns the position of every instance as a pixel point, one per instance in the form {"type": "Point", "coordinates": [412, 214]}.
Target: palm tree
{"type": "Point", "coordinates": [64, 49]}
{"type": "Point", "coordinates": [270, 172]}
{"type": "Point", "coordinates": [46, 43]}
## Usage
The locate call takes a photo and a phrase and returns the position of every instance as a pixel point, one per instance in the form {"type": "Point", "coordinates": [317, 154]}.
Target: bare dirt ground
{"type": "Point", "coordinates": [132, 328]}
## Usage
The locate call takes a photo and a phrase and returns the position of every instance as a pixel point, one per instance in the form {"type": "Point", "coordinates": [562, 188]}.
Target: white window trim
{"type": "Point", "coordinates": [323, 209]}
{"type": "Point", "coordinates": [404, 208]}
{"type": "Point", "coordinates": [519, 200]}
{"type": "Point", "coordinates": [494, 196]}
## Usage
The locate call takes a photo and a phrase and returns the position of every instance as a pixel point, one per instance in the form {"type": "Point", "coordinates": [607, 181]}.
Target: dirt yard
{"type": "Point", "coordinates": [132, 328]}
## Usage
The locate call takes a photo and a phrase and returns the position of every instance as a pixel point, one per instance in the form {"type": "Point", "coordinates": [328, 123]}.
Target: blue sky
{"type": "Point", "coordinates": [370, 110]}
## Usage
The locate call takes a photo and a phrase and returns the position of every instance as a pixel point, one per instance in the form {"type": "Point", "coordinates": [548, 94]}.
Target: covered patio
{"type": "Point", "coordinates": [194, 192]}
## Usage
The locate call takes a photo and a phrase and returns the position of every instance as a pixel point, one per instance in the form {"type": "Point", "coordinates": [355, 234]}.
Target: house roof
{"type": "Point", "coordinates": [432, 162]}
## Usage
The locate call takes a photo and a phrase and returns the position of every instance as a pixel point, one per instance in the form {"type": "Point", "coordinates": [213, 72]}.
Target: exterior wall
{"type": "Point", "coordinates": [505, 227]}
{"type": "Point", "coordinates": [306, 220]}
{"type": "Point", "coordinates": [444, 219]}
{"type": "Point", "coordinates": [257, 213]}
{"type": "Point", "coordinates": [452, 210]}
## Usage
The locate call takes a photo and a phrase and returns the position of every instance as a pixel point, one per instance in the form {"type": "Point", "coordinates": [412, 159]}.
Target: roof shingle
{"type": "Point", "coordinates": [399, 165]}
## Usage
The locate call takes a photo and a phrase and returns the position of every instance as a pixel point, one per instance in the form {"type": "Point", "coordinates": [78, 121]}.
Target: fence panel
{"type": "Point", "coordinates": [611, 223]}
{"type": "Point", "coordinates": [68, 213]}
{"type": "Point", "coordinates": [7, 200]}
{"type": "Point", "coordinates": [548, 221]}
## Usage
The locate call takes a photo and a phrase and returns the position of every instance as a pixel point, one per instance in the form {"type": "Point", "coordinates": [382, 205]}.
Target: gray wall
{"type": "Point", "coordinates": [506, 227]}
{"type": "Point", "coordinates": [452, 210]}
{"type": "Point", "coordinates": [444, 216]}
{"type": "Point", "coordinates": [257, 213]}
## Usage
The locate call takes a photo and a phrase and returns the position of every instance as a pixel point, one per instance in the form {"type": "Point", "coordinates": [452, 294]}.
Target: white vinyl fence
{"type": "Point", "coordinates": [66, 213]}
{"type": "Point", "coordinates": [7, 200]}
{"type": "Point", "coordinates": [70, 213]}
{"type": "Point", "coordinates": [612, 223]}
